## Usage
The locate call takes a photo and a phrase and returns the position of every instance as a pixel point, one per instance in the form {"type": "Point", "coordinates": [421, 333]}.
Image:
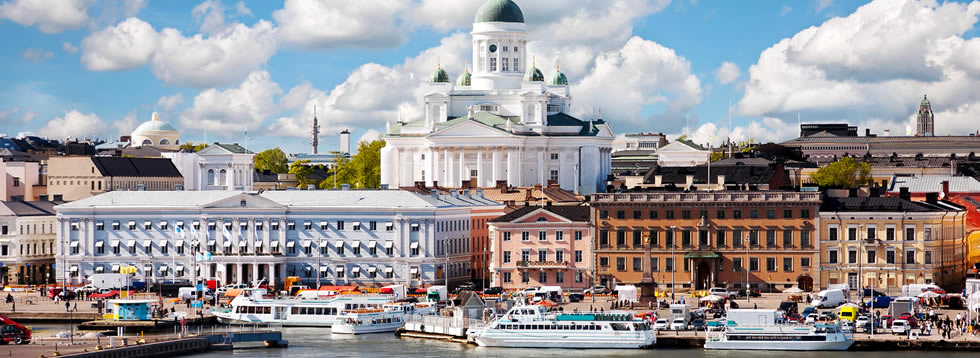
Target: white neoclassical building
{"type": "Point", "coordinates": [504, 121]}
{"type": "Point", "coordinates": [217, 167]}
{"type": "Point", "coordinates": [362, 237]}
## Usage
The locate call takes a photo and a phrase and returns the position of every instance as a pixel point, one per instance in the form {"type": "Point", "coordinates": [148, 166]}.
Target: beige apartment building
{"type": "Point", "coordinates": [74, 178]}
{"type": "Point", "coordinates": [886, 242]}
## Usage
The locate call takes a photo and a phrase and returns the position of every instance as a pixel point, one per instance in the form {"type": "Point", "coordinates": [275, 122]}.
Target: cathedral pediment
{"type": "Point", "coordinates": [469, 128]}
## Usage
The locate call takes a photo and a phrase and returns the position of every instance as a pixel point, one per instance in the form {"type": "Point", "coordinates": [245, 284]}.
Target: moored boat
{"type": "Point", "coordinates": [535, 327]}
{"type": "Point", "coordinates": [821, 337]}
{"type": "Point", "coordinates": [254, 307]}
{"type": "Point", "coordinates": [386, 319]}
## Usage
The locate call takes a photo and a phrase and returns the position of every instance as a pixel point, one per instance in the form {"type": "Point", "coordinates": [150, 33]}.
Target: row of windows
{"type": "Point", "coordinates": [542, 235]}
{"type": "Point", "coordinates": [871, 233]}
{"type": "Point", "coordinates": [560, 327]}
{"type": "Point", "coordinates": [736, 264]}
{"type": "Point", "coordinates": [773, 238]}
{"type": "Point", "coordinates": [339, 225]}
{"type": "Point", "coordinates": [29, 229]}
{"type": "Point", "coordinates": [30, 249]}
{"type": "Point", "coordinates": [704, 213]}
{"type": "Point", "coordinates": [543, 277]}
{"type": "Point", "coordinates": [871, 256]}
{"type": "Point", "coordinates": [543, 255]}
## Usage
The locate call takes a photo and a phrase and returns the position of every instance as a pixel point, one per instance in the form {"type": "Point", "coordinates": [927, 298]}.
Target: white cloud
{"type": "Point", "coordinates": [823, 4]}
{"type": "Point", "coordinates": [69, 47]}
{"type": "Point", "coordinates": [369, 135]}
{"type": "Point", "coordinates": [28, 116]}
{"type": "Point", "coordinates": [36, 55]}
{"type": "Point", "coordinates": [128, 45]}
{"type": "Point", "coordinates": [242, 10]}
{"type": "Point", "coordinates": [126, 125]}
{"type": "Point", "coordinates": [768, 130]}
{"type": "Point", "coordinates": [168, 104]}
{"type": "Point", "coordinates": [73, 124]}
{"type": "Point", "coordinates": [873, 66]}
{"type": "Point", "coordinates": [785, 11]}
{"type": "Point", "coordinates": [50, 16]}
{"type": "Point", "coordinates": [728, 73]}
{"type": "Point", "coordinates": [228, 113]}
{"type": "Point", "coordinates": [341, 23]}
{"type": "Point", "coordinates": [214, 60]}
{"type": "Point", "coordinates": [211, 15]}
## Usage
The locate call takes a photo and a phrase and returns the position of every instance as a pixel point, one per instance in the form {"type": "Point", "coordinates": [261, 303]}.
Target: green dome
{"type": "Point", "coordinates": [440, 76]}
{"type": "Point", "coordinates": [925, 100]}
{"type": "Point", "coordinates": [559, 79]}
{"type": "Point", "coordinates": [464, 79]}
{"type": "Point", "coordinates": [533, 74]}
{"type": "Point", "coordinates": [499, 11]}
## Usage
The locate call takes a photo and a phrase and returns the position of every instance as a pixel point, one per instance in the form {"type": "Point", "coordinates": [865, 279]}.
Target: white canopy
{"type": "Point", "coordinates": [243, 243]}
{"type": "Point", "coordinates": [415, 245]}
{"type": "Point", "coordinates": [307, 243]}
{"type": "Point", "coordinates": [74, 268]}
{"type": "Point", "coordinates": [147, 243]}
{"type": "Point", "coordinates": [291, 244]}
{"type": "Point", "coordinates": [211, 242]}
{"type": "Point", "coordinates": [355, 269]}
{"type": "Point", "coordinates": [357, 223]}
{"type": "Point", "coordinates": [99, 269]}
{"type": "Point", "coordinates": [227, 243]}
{"type": "Point", "coordinates": [324, 268]}
{"type": "Point", "coordinates": [114, 243]}
{"type": "Point", "coordinates": [115, 268]}
{"type": "Point", "coordinates": [372, 244]}
{"type": "Point", "coordinates": [794, 289]}
{"type": "Point", "coordinates": [163, 243]}
{"type": "Point", "coordinates": [130, 243]}
{"type": "Point", "coordinates": [413, 270]}
{"type": "Point", "coordinates": [372, 269]}
{"type": "Point", "coordinates": [259, 243]}
{"type": "Point", "coordinates": [340, 269]}
{"type": "Point", "coordinates": [712, 298]}
{"type": "Point", "coordinates": [98, 243]}
{"type": "Point", "coordinates": [324, 243]}
{"type": "Point", "coordinates": [274, 243]}
{"type": "Point", "coordinates": [389, 244]}
{"type": "Point", "coordinates": [355, 243]}
{"type": "Point", "coordinates": [179, 243]}
{"type": "Point", "coordinates": [928, 294]}
{"type": "Point", "coordinates": [163, 223]}
{"type": "Point", "coordinates": [75, 243]}
{"type": "Point", "coordinates": [389, 269]}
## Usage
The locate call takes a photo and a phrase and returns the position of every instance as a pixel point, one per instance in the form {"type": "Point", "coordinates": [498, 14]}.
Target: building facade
{"type": "Point", "coordinates": [685, 241]}
{"type": "Point", "coordinates": [22, 181]}
{"type": "Point", "coordinates": [343, 237]}
{"type": "Point", "coordinates": [884, 243]}
{"type": "Point", "coordinates": [74, 178]}
{"type": "Point", "coordinates": [217, 167]}
{"type": "Point", "coordinates": [502, 122]}
{"type": "Point", "coordinates": [27, 242]}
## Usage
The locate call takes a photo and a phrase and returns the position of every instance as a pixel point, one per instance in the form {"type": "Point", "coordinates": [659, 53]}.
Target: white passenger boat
{"type": "Point", "coordinates": [254, 307]}
{"type": "Point", "coordinates": [821, 337]}
{"type": "Point", "coordinates": [387, 319]}
{"type": "Point", "coordinates": [535, 327]}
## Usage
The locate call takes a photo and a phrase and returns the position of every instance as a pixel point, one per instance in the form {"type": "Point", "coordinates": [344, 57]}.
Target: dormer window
{"type": "Point", "coordinates": [488, 108]}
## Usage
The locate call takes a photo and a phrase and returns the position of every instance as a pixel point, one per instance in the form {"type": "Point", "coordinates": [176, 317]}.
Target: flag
{"type": "Point", "coordinates": [227, 233]}
{"type": "Point", "coordinates": [179, 231]}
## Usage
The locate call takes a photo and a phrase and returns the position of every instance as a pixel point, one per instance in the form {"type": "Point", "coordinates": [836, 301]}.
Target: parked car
{"type": "Point", "coordinates": [846, 326]}
{"type": "Point", "coordinates": [493, 291]}
{"type": "Point", "coordinates": [864, 323]}
{"type": "Point", "coordinates": [808, 311]}
{"type": "Point", "coordinates": [88, 289]}
{"type": "Point", "coordinates": [900, 326]}
{"type": "Point", "coordinates": [699, 325]}
{"type": "Point", "coordinates": [910, 319]}
{"type": "Point", "coordinates": [723, 292]}
{"type": "Point", "coordinates": [598, 290]}
{"type": "Point", "coordinates": [751, 293]}
{"type": "Point", "coordinates": [811, 319]}
{"type": "Point", "coordinates": [576, 297]}
{"type": "Point", "coordinates": [679, 324]}
{"type": "Point", "coordinates": [661, 325]}
{"type": "Point", "coordinates": [827, 316]}
{"type": "Point", "coordinates": [795, 318]}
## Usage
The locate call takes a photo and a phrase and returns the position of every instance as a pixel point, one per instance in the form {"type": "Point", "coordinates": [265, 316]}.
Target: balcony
{"type": "Point", "coordinates": [543, 264]}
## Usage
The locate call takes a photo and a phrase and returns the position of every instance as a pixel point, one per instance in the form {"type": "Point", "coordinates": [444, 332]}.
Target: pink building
{"type": "Point", "coordinates": [542, 246]}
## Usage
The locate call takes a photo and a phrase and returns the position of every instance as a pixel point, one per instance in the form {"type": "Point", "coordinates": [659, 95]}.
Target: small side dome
{"type": "Point", "coordinates": [559, 79]}
{"type": "Point", "coordinates": [499, 11]}
{"type": "Point", "coordinates": [533, 74]}
{"type": "Point", "coordinates": [440, 76]}
{"type": "Point", "coordinates": [464, 79]}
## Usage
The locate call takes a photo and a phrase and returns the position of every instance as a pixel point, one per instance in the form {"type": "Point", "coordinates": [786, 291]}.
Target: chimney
{"type": "Point", "coordinates": [344, 187]}
{"type": "Point", "coordinates": [552, 183]}
{"type": "Point", "coordinates": [946, 190]}
{"type": "Point", "coordinates": [465, 184]}
{"type": "Point", "coordinates": [721, 181]}
{"type": "Point", "coordinates": [690, 181]}
{"type": "Point", "coordinates": [867, 132]}
{"type": "Point", "coordinates": [435, 194]}
{"type": "Point", "coordinates": [932, 198]}
{"type": "Point", "coordinates": [479, 193]}
{"type": "Point", "coordinates": [313, 187]}
{"type": "Point", "coordinates": [658, 180]}
{"type": "Point", "coordinates": [904, 193]}
{"type": "Point", "coordinates": [435, 183]}
{"type": "Point", "coordinates": [502, 185]}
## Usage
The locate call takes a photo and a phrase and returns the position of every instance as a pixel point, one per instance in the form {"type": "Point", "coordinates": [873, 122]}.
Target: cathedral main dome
{"type": "Point", "coordinates": [499, 11]}
{"type": "Point", "coordinates": [156, 133]}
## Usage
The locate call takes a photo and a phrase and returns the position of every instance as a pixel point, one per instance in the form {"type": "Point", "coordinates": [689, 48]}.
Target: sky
{"type": "Point", "coordinates": [253, 71]}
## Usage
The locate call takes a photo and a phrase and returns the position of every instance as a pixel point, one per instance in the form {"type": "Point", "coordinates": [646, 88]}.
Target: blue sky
{"type": "Point", "coordinates": [213, 68]}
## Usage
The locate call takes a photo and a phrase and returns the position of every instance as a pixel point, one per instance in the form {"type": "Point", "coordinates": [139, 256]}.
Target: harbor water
{"type": "Point", "coordinates": [319, 342]}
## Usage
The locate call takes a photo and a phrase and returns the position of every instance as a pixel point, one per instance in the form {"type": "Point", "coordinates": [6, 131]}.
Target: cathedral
{"type": "Point", "coordinates": [503, 122]}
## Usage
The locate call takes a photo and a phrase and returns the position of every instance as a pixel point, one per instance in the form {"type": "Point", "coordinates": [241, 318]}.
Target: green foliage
{"type": "Point", "coordinates": [716, 156]}
{"type": "Point", "coordinates": [362, 171]}
{"type": "Point", "coordinates": [844, 173]}
{"type": "Point", "coordinates": [190, 146]}
{"type": "Point", "coordinates": [273, 160]}
{"type": "Point", "coordinates": [302, 170]}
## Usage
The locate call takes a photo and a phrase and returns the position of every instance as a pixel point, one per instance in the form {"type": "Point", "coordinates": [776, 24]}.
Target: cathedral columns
{"type": "Point", "coordinates": [463, 175]}
{"type": "Point", "coordinates": [480, 178]}
{"type": "Point", "coordinates": [429, 166]}
{"type": "Point", "coordinates": [495, 167]}
{"type": "Point", "coordinates": [446, 172]}
{"type": "Point", "coordinates": [541, 169]}
{"type": "Point", "coordinates": [511, 168]}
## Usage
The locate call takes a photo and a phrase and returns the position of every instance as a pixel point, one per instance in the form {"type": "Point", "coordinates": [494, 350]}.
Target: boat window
{"type": "Point", "coordinates": [295, 310]}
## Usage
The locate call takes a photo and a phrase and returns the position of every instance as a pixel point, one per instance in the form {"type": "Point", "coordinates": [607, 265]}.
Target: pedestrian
{"type": "Point", "coordinates": [755, 305]}
{"type": "Point", "coordinates": [74, 307]}
{"type": "Point", "coordinates": [67, 306]}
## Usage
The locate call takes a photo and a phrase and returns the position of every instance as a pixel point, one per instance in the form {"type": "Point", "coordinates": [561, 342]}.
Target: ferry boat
{"type": "Point", "coordinates": [535, 327]}
{"type": "Point", "coordinates": [254, 307]}
{"type": "Point", "coordinates": [388, 318]}
{"type": "Point", "coordinates": [821, 337]}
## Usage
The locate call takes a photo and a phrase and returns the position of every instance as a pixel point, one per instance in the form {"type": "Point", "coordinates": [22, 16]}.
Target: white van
{"type": "Point", "coordinates": [189, 293]}
{"type": "Point", "coordinates": [552, 293]}
{"type": "Point", "coordinates": [829, 299]}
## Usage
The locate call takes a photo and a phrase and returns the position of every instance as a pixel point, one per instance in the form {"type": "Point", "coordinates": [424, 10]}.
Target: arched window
{"type": "Point", "coordinates": [147, 142]}
{"type": "Point", "coordinates": [223, 177]}
{"type": "Point", "coordinates": [210, 176]}
{"type": "Point", "coordinates": [164, 141]}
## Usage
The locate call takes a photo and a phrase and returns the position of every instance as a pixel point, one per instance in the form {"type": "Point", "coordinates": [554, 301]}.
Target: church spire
{"type": "Point", "coordinates": [925, 123]}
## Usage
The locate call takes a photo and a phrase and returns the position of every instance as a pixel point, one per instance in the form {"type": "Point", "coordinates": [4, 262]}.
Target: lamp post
{"type": "Point", "coordinates": [748, 295]}
{"type": "Point", "coordinates": [673, 260]}
{"type": "Point", "coordinates": [863, 236]}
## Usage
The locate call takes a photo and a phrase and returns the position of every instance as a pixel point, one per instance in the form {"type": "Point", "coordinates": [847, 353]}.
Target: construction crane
{"type": "Point", "coordinates": [11, 331]}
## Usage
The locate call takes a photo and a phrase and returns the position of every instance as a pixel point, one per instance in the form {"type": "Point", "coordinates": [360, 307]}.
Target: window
{"type": "Point", "coordinates": [115, 225]}
{"type": "Point", "coordinates": [620, 214]}
{"type": "Point", "coordinates": [542, 235]}
{"type": "Point", "coordinates": [637, 215]}
{"type": "Point", "coordinates": [754, 238]}
{"type": "Point", "coordinates": [373, 225]}
{"type": "Point", "coordinates": [754, 214]}
{"type": "Point", "coordinates": [637, 264]}
{"type": "Point", "coordinates": [554, 156]}
{"type": "Point", "coordinates": [685, 214]}
{"type": "Point", "coordinates": [132, 225]}
{"type": "Point", "coordinates": [871, 256]}
{"type": "Point", "coordinates": [415, 250]}
{"type": "Point", "coordinates": [702, 214]}
{"type": "Point", "coordinates": [669, 214]}
{"type": "Point", "coordinates": [99, 226]}
{"type": "Point", "coordinates": [787, 264]}
{"type": "Point", "coordinates": [720, 214]}
{"type": "Point", "coordinates": [603, 214]}
{"type": "Point", "coordinates": [654, 214]}
{"type": "Point", "coordinates": [506, 236]}
{"type": "Point", "coordinates": [559, 255]}
{"type": "Point", "coordinates": [356, 248]}
{"type": "Point", "coordinates": [736, 214]}
{"type": "Point", "coordinates": [805, 238]}
{"type": "Point", "coordinates": [927, 234]}
{"type": "Point", "coordinates": [603, 238]}
{"type": "Point", "coordinates": [771, 264]}
{"type": "Point", "coordinates": [703, 238]}
{"type": "Point", "coordinates": [578, 255]}
{"type": "Point", "coordinates": [654, 264]}
{"type": "Point", "coordinates": [17, 182]}
{"type": "Point", "coordinates": [654, 238]}
{"type": "Point", "coordinates": [559, 236]}
{"type": "Point", "coordinates": [493, 64]}
{"type": "Point", "coordinates": [787, 238]}
{"type": "Point", "coordinates": [578, 236]}
{"type": "Point", "coordinates": [872, 233]}
{"type": "Point", "coordinates": [357, 226]}
{"type": "Point", "coordinates": [737, 238]}
{"type": "Point", "coordinates": [669, 264]}
{"type": "Point", "coordinates": [637, 238]}
{"type": "Point", "coordinates": [542, 276]}
{"type": "Point", "coordinates": [526, 255]}
{"type": "Point", "coordinates": [720, 238]}
{"type": "Point", "coordinates": [389, 249]}
{"type": "Point", "coordinates": [852, 233]}
{"type": "Point", "coordinates": [525, 236]}
{"type": "Point", "coordinates": [604, 261]}
{"type": "Point", "coordinates": [804, 262]}
{"type": "Point", "coordinates": [164, 249]}
{"type": "Point", "coordinates": [928, 258]}
{"type": "Point", "coordinates": [737, 264]}
{"type": "Point", "coordinates": [553, 175]}
{"type": "Point", "coordinates": [910, 233]}
{"type": "Point", "coordinates": [291, 226]}
{"type": "Point", "coordinates": [754, 264]}
{"type": "Point", "coordinates": [506, 277]}
{"type": "Point", "coordinates": [890, 256]}
{"type": "Point", "coordinates": [620, 238]}
{"type": "Point", "coordinates": [805, 213]}
{"type": "Point", "coordinates": [910, 257]}
{"type": "Point", "coordinates": [340, 225]}
{"type": "Point", "coordinates": [890, 233]}
{"type": "Point", "coordinates": [669, 238]}
{"type": "Point", "coordinates": [686, 238]}
{"type": "Point", "coordinates": [620, 264]}
{"type": "Point", "coordinates": [560, 276]}
{"type": "Point", "coordinates": [787, 214]}
{"type": "Point", "coordinates": [517, 63]}
{"type": "Point", "coordinates": [832, 234]}
{"type": "Point", "coordinates": [852, 256]}
{"type": "Point", "coordinates": [504, 63]}
{"type": "Point", "coordinates": [542, 255]}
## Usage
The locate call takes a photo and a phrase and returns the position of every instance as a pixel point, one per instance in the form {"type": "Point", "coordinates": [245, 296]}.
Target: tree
{"type": "Point", "coordinates": [362, 171]}
{"type": "Point", "coordinates": [190, 146]}
{"type": "Point", "coordinates": [302, 170]}
{"type": "Point", "coordinates": [273, 160]}
{"type": "Point", "coordinates": [844, 173]}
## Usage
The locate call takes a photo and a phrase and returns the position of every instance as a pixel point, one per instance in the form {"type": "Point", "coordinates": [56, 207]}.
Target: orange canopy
{"type": "Point", "coordinates": [338, 288]}
{"type": "Point", "coordinates": [547, 303]}
{"type": "Point", "coordinates": [233, 292]}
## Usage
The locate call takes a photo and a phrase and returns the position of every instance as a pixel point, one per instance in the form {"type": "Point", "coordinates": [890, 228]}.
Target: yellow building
{"type": "Point", "coordinates": [884, 243]}
{"type": "Point", "coordinates": [973, 251]}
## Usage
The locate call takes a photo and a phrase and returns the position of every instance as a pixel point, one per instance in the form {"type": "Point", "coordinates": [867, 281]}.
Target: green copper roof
{"type": "Point", "coordinates": [925, 100]}
{"type": "Point", "coordinates": [234, 148]}
{"type": "Point", "coordinates": [559, 79]}
{"type": "Point", "coordinates": [499, 11]}
{"type": "Point", "coordinates": [440, 76]}
{"type": "Point", "coordinates": [533, 74]}
{"type": "Point", "coordinates": [464, 79]}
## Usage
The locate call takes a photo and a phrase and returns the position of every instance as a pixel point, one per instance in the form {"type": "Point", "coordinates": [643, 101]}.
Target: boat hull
{"type": "Point", "coordinates": [285, 323]}
{"type": "Point", "coordinates": [343, 328]}
{"type": "Point", "coordinates": [778, 346]}
{"type": "Point", "coordinates": [524, 340]}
